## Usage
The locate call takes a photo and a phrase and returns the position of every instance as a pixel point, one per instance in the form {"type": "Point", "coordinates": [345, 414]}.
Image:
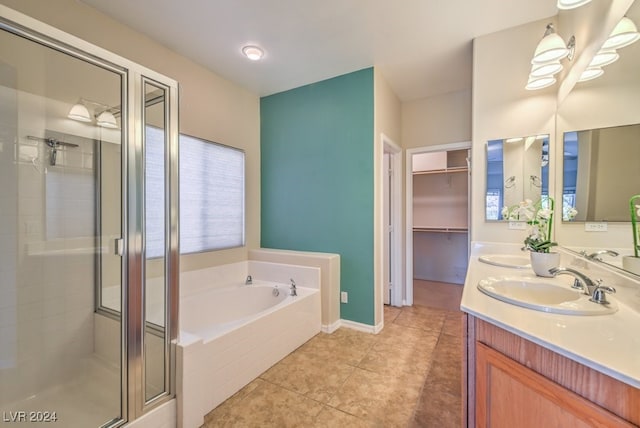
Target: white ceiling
{"type": "Point", "coordinates": [422, 47]}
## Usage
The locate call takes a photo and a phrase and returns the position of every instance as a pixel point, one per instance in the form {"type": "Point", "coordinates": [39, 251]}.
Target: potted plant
{"type": "Point", "coordinates": [632, 263]}
{"type": "Point", "coordinates": [539, 217]}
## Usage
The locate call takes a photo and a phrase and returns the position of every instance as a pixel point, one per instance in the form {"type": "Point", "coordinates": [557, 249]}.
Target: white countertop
{"type": "Point", "coordinates": [607, 343]}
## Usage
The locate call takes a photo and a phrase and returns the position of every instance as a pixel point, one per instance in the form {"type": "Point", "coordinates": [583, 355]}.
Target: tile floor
{"type": "Point", "coordinates": [408, 375]}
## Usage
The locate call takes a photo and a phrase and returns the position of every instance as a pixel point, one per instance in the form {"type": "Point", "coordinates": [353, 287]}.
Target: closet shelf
{"type": "Point", "coordinates": [442, 229]}
{"type": "Point", "coordinates": [442, 171]}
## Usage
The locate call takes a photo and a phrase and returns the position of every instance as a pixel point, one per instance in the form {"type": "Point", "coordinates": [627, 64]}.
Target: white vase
{"type": "Point", "coordinates": [631, 264]}
{"type": "Point", "coordinates": [542, 262]}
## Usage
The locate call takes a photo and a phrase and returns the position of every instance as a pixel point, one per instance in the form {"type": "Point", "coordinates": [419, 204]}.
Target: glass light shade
{"type": "Point", "coordinates": [604, 57]}
{"type": "Point", "coordinates": [514, 140]}
{"type": "Point", "coordinates": [79, 112]}
{"type": "Point", "coordinates": [542, 82]}
{"type": "Point", "coordinates": [623, 35]}
{"type": "Point", "coordinates": [590, 74]}
{"type": "Point", "coordinates": [106, 119]}
{"type": "Point", "coordinates": [550, 48]}
{"type": "Point", "coordinates": [548, 69]}
{"type": "Point", "coordinates": [571, 4]}
{"type": "Point", "coordinates": [254, 53]}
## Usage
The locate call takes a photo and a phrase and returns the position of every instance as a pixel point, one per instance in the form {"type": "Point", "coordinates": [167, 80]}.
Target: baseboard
{"type": "Point", "coordinates": [374, 329]}
{"type": "Point", "coordinates": [330, 328]}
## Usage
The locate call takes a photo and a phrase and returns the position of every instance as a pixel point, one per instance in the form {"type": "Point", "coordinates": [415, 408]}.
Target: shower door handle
{"type": "Point", "coordinates": [119, 247]}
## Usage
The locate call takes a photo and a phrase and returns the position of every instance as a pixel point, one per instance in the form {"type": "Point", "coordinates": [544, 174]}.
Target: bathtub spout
{"type": "Point", "coordinates": [293, 290]}
{"type": "Point", "coordinates": [249, 280]}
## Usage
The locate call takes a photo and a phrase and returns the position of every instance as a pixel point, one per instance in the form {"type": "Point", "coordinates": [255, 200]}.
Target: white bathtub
{"type": "Point", "coordinates": [230, 335]}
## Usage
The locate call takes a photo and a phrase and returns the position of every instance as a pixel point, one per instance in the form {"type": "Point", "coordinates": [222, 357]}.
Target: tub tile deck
{"type": "Point", "coordinates": [406, 376]}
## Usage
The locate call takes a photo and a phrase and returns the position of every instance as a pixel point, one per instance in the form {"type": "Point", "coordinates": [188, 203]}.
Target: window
{"type": "Point", "coordinates": [211, 196]}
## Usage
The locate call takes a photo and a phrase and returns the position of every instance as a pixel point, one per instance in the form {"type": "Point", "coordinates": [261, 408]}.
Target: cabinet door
{"type": "Point", "coordinates": [509, 394]}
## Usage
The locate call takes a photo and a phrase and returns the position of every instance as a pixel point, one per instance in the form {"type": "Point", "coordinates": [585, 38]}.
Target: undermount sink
{"type": "Point", "coordinates": [543, 295]}
{"type": "Point", "coordinates": [506, 260]}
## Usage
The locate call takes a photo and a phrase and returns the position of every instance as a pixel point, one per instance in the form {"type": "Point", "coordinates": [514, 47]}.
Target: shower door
{"type": "Point", "coordinates": [60, 362]}
{"type": "Point", "coordinates": [83, 340]}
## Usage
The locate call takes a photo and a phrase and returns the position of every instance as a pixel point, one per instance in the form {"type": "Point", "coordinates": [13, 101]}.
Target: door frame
{"type": "Point", "coordinates": [395, 244]}
{"type": "Point", "coordinates": [464, 145]}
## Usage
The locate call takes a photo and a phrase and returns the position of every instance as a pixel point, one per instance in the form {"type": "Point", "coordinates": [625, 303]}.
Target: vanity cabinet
{"type": "Point", "coordinates": [513, 382]}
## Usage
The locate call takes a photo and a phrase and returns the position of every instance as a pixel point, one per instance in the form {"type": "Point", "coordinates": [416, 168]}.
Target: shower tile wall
{"type": "Point", "coordinates": [47, 260]}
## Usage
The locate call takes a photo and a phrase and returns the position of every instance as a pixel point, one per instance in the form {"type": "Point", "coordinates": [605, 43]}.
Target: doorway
{"type": "Point", "coordinates": [437, 209]}
{"type": "Point", "coordinates": [391, 265]}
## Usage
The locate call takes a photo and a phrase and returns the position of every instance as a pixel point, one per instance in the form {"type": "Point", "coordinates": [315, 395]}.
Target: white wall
{"type": "Point", "coordinates": [502, 108]}
{"type": "Point", "coordinates": [210, 106]}
{"type": "Point", "coordinates": [441, 119]}
{"type": "Point", "coordinates": [387, 113]}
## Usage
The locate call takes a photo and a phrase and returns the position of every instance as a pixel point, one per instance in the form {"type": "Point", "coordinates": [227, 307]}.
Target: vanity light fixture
{"type": "Point", "coordinates": [104, 119]}
{"type": "Point", "coordinates": [79, 112]}
{"type": "Point", "coordinates": [591, 73]}
{"type": "Point", "coordinates": [604, 57]}
{"type": "Point", "coordinates": [622, 35]}
{"type": "Point", "coordinates": [254, 53]}
{"type": "Point", "coordinates": [540, 83]}
{"type": "Point", "coordinates": [552, 47]}
{"type": "Point", "coordinates": [548, 69]}
{"type": "Point", "coordinates": [571, 4]}
{"type": "Point", "coordinates": [514, 140]}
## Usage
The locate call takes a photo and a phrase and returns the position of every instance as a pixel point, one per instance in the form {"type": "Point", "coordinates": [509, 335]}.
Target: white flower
{"type": "Point", "coordinates": [572, 213]}
{"type": "Point", "coordinates": [638, 210]}
{"type": "Point", "coordinates": [505, 212]}
{"type": "Point", "coordinates": [544, 214]}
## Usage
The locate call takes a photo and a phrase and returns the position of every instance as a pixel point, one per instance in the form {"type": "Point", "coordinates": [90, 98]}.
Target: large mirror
{"type": "Point", "coordinates": [600, 173]}
{"type": "Point", "coordinates": [598, 123]}
{"type": "Point", "coordinates": [517, 169]}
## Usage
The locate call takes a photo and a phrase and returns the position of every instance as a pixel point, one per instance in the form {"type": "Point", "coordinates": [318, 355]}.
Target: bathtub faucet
{"type": "Point", "coordinates": [249, 280]}
{"type": "Point", "coordinates": [293, 289]}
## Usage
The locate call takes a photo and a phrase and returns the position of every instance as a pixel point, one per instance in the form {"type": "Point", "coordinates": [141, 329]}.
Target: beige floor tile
{"type": "Point", "coordinates": [333, 418]}
{"type": "Point", "coordinates": [390, 313]}
{"type": "Point", "coordinates": [453, 324]}
{"type": "Point", "coordinates": [267, 405]}
{"type": "Point", "coordinates": [309, 375]}
{"type": "Point", "coordinates": [232, 401]}
{"type": "Point", "coordinates": [344, 345]}
{"type": "Point", "coordinates": [386, 399]}
{"type": "Point", "coordinates": [423, 318]}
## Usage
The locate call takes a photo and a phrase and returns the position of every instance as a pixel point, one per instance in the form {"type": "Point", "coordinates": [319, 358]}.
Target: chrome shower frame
{"type": "Point", "coordinates": [133, 403]}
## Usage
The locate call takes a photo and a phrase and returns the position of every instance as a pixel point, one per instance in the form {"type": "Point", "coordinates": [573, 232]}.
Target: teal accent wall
{"type": "Point", "coordinates": [317, 179]}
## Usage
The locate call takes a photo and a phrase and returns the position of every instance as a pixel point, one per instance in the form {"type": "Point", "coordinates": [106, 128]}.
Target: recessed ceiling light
{"type": "Point", "coordinates": [254, 53]}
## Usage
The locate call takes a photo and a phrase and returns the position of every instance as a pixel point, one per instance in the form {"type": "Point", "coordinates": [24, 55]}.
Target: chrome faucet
{"type": "Point", "coordinates": [249, 280]}
{"type": "Point", "coordinates": [595, 256]}
{"type": "Point", "coordinates": [293, 291]}
{"type": "Point", "coordinates": [582, 281]}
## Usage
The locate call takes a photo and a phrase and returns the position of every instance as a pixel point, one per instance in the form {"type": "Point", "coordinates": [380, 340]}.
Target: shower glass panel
{"type": "Point", "coordinates": [60, 216]}
{"type": "Point", "coordinates": [155, 161]}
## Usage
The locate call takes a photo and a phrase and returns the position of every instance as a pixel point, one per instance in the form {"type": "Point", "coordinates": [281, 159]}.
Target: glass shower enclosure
{"type": "Point", "coordinates": [87, 318]}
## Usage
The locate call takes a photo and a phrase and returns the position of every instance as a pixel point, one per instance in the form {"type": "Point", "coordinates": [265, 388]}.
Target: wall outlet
{"type": "Point", "coordinates": [518, 225]}
{"type": "Point", "coordinates": [595, 227]}
{"type": "Point", "coordinates": [344, 297]}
